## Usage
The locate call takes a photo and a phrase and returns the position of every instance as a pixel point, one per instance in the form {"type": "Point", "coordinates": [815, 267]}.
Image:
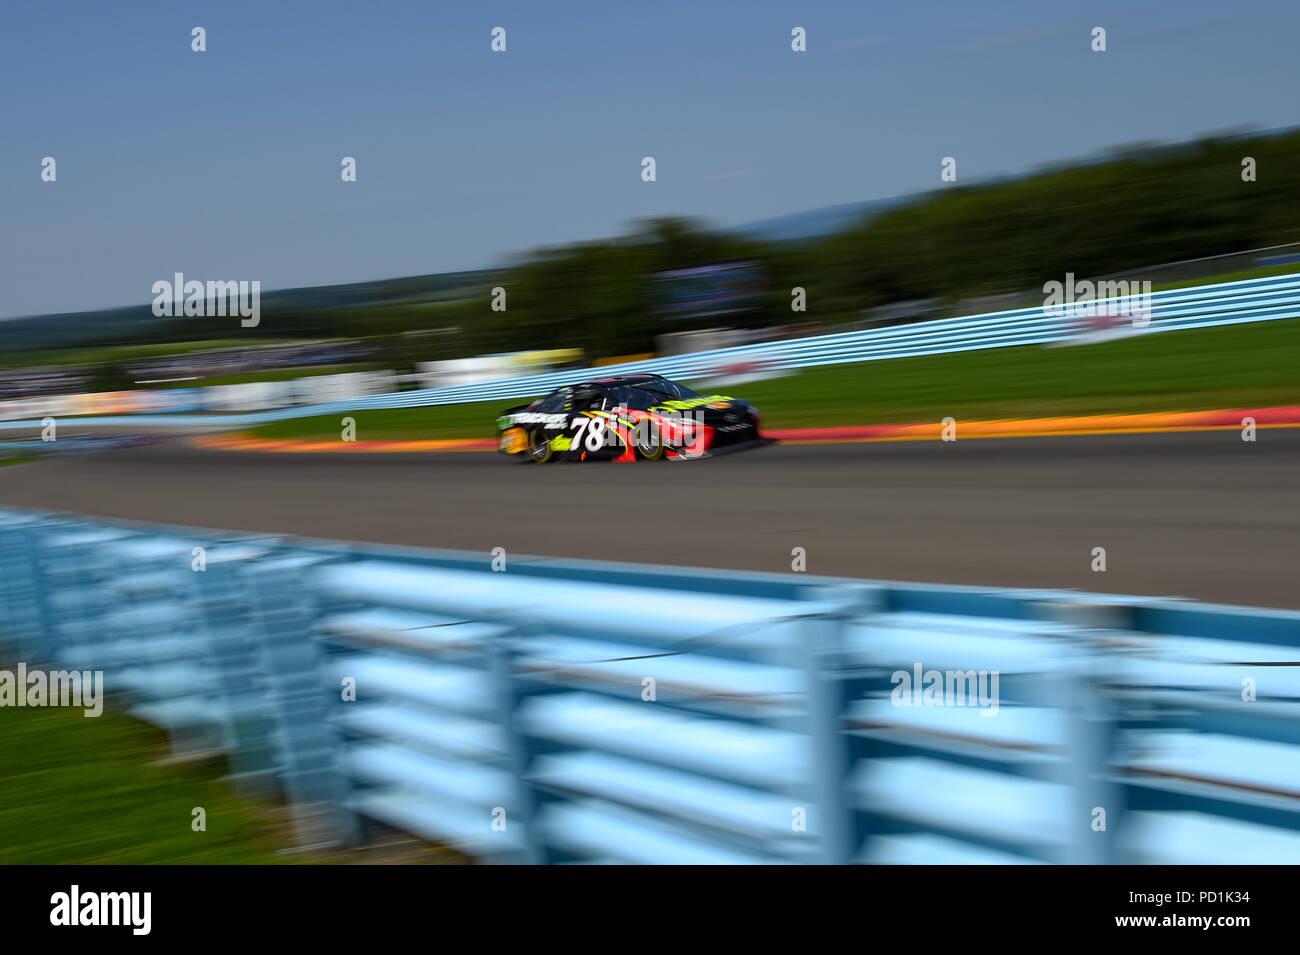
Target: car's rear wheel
{"type": "Point", "coordinates": [649, 442]}
{"type": "Point", "coordinates": [539, 447]}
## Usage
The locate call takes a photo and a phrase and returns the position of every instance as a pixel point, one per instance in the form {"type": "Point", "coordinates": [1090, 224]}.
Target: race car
{"type": "Point", "coordinates": [626, 418]}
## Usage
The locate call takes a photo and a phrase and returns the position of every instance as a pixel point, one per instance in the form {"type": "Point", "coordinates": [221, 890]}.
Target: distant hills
{"type": "Point", "coordinates": [816, 223]}
{"type": "Point", "coordinates": [1181, 201]}
{"type": "Point", "coordinates": [137, 322]}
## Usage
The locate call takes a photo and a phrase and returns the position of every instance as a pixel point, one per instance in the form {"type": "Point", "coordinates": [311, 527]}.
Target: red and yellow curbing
{"type": "Point", "coordinates": [1280, 417]}
{"type": "Point", "coordinates": [243, 441]}
{"type": "Point", "coordinates": [1164, 421]}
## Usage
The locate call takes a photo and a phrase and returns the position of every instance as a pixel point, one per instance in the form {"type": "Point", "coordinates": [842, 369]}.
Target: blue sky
{"type": "Point", "coordinates": [225, 164]}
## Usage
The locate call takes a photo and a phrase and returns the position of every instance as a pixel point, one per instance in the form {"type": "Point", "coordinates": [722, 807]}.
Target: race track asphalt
{"type": "Point", "coordinates": [1201, 515]}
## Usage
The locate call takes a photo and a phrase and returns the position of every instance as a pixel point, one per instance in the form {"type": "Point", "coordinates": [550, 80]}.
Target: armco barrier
{"type": "Point", "coordinates": [1228, 303]}
{"type": "Point", "coordinates": [579, 711]}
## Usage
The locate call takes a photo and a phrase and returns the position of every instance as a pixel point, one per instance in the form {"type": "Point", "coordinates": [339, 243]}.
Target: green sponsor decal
{"type": "Point", "coordinates": [691, 403]}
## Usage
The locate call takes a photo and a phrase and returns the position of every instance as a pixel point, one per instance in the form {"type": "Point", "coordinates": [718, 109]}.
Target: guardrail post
{"type": "Point", "coordinates": [511, 692]}
{"type": "Point", "coordinates": [1096, 802]}
{"type": "Point", "coordinates": [23, 623]}
{"type": "Point", "coordinates": [223, 607]}
{"type": "Point", "coordinates": [823, 638]}
{"type": "Point", "coordinates": [285, 612]}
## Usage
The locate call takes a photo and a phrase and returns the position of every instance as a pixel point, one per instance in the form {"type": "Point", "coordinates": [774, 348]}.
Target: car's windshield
{"type": "Point", "coordinates": [650, 392]}
{"type": "Point", "coordinates": [553, 402]}
{"type": "Point", "coordinates": [670, 390]}
{"type": "Point", "coordinates": [636, 398]}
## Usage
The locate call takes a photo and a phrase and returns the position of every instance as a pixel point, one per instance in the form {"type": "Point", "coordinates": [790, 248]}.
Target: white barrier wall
{"type": "Point", "coordinates": [245, 396]}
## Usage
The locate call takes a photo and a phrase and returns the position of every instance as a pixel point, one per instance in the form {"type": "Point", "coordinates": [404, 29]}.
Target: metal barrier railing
{"type": "Point", "coordinates": [1228, 303]}
{"type": "Point", "coordinates": [580, 711]}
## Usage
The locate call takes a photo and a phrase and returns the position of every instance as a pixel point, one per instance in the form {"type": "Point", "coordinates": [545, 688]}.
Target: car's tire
{"type": "Point", "coordinates": [649, 441]}
{"type": "Point", "coordinates": [539, 446]}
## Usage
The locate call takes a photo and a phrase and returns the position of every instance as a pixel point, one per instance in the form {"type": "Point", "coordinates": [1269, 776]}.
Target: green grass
{"type": "Point", "coordinates": [1235, 366]}
{"type": "Point", "coordinates": [86, 791]}
{"type": "Point", "coordinates": [1263, 271]}
{"type": "Point", "coordinates": [476, 420]}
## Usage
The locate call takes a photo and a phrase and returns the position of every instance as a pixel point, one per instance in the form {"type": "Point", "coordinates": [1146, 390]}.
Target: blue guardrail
{"type": "Point", "coordinates": [569, 711]}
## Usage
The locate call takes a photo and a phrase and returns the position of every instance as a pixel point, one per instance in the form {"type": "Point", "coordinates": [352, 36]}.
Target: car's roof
{"type": "Point", "coordinates": [620, 380]}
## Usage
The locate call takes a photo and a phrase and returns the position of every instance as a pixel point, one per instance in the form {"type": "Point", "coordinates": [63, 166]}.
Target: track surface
{"type": "Point", "coordinates": [1201, 515]}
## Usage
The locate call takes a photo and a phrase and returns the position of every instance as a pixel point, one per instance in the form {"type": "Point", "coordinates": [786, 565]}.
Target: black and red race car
{"type": "Point", "coordinates": [626, 418]}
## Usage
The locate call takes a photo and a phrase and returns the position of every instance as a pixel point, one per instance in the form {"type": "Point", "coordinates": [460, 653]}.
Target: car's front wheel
{"type": "Point", "coordinates": [539, 446]}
